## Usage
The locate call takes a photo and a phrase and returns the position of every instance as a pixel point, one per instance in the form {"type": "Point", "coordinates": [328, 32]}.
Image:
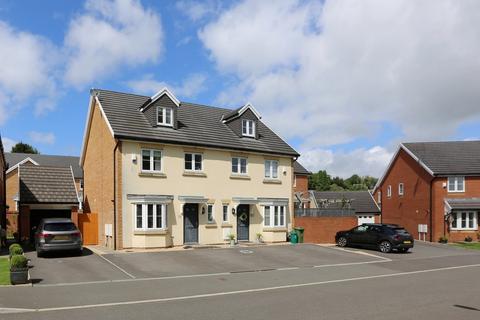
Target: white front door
{"type": "Point", "coordinates": [365, 219]}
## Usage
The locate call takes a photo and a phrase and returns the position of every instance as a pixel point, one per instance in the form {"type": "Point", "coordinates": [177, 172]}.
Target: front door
{"type": "Point", "coordinates": [243, 222]}
{"type": "Point", "coordinates": [190, 223]}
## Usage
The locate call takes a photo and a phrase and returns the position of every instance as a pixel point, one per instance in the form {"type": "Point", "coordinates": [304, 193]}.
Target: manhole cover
{"type": "Point", "coordinates": [246, 251]}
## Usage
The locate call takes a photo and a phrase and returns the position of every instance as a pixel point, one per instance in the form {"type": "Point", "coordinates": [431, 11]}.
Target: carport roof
{"type": "Point", "coordinates": [47, 185]}
{"type": "Point", "coordinates": [463, 204]}
{"type": "Point", "coordinates": [360, 201]}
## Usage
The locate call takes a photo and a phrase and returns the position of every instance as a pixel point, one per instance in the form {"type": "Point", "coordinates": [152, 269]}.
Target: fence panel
{"type": "Point", "coordinates": [88, 225]}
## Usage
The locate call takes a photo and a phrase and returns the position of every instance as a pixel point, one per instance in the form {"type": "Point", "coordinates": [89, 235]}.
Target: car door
{"type": "Point", "coordinates": [359, 235]}
{"type": "Point", "coordinates": [372, 236]}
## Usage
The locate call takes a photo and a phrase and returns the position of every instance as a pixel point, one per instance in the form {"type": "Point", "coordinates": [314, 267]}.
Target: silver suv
{"type": "Point", "coordinates": [57, 234]}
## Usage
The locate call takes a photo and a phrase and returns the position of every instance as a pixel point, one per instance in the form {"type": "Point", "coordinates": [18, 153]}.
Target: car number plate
{"type": "Point", "coordinates": [407, 241]}
{"type": "Point", "coordinates": [62, 238]}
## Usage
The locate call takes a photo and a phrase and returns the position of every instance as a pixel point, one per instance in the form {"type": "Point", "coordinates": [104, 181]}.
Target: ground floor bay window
{"type": "Point", "coordinates": [274, 216]}
{"type": "Point", "coordinates": [150, 216]}
{"type": "Point", "coordinates": [464, 220]}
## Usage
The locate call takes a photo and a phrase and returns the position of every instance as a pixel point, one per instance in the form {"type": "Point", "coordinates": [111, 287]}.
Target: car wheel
{"type": "Point", "coordinates": [385, 246]}
{"type": "Point", "coordinates": [342, 242]}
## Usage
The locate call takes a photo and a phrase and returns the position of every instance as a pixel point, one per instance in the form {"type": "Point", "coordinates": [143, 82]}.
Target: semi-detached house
{"type": "Point", "coordinates": [160, 172]}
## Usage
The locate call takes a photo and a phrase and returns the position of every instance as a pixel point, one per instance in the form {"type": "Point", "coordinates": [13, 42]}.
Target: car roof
{"type": "Point", "coordinates": [389, 225]}
{"type": "Point", "coordinates": [57, 220]}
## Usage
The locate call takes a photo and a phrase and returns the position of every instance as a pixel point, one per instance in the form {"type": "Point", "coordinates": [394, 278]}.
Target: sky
{"type": "Point", "coordinates": [343, 82]}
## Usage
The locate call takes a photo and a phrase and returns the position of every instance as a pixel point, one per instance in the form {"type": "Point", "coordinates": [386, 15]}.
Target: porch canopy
{"type": "Point", "coordinates": [462, 204]}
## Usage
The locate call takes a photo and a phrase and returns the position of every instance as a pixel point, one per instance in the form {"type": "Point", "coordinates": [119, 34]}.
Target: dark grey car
{"type": "Point", "coordinates": [57, 234]}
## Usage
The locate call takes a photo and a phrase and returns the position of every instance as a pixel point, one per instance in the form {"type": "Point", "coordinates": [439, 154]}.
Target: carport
{"type": "Point", "coordinates": [45, 192]}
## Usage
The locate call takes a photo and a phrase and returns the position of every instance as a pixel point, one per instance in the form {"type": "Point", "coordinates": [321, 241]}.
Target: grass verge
{"type": "Point", "coordinates": [4, 271]}
{"type": "Point", "coordinates": [468, 245]}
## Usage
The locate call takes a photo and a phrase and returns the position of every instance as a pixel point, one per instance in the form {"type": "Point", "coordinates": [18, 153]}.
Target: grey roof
{"type": "Point", "coordinates": [463, 203]}
{"type": "Point", "coordinates": [360, 201]}
{"type": "Point", "coordinates": [299, 169]}
{"type": "Point", "coordinates": [46, 160]}
{"type": "Point", "coordinates": [198, 125]}
{"type": "Point", "coordinates": [448, 158]}
{"type": "Point", "coordinates": [42, 184]}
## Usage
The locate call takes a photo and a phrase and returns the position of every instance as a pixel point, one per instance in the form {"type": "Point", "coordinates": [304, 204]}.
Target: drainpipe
{"type": "Point", "coordinates": [430, 211]}
{"type": "Point", "coordinates": [115, 196]}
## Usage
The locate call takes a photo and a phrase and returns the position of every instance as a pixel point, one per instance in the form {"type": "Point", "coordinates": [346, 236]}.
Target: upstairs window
{"type": "Point", "coordinates": [239, 165]}
{"type": "Point", "coordinates": [193, 161]}
{"type": "Point", "coordinates": [271, 169]}
{"type": "Point", "coordinates": [165, 116]}
{"type": "Point", "coordinates": [456, 184]}
{"type": "Point", "coordinates": [248, 128]}
{"type": "Point", "coordinates": [389, 191]}
{"type": "Point", "coordinates": [151, 160]}
{"type": "Point", "coordinates": [401, 189]}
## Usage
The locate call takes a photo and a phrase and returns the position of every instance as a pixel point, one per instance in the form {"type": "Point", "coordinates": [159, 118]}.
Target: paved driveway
{"type": "Point", "coordinates": [65, 268]}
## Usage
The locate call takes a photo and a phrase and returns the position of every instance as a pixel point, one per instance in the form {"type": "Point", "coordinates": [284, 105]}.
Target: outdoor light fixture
{"type": "Point", "coordinates": [233, 211]}
{"type": "Point", "coordinates": [203, 209]}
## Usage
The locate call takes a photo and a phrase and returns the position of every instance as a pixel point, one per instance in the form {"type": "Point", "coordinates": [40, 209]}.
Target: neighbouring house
{"type": "Point", "coordinates": [433, 189]}
{"type": "Point", "coordinates": [300, 186]}
{"type": "Point", "coordinates": [3, 196]}
{"type": "Point", "coordinates": [41, 186]}
{"type": "Point", "coordinates": [333, 211]}
{"type": "Point", "coordinates": [160, 172]}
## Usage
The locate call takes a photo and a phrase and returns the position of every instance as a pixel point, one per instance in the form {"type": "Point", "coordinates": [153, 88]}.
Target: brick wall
{"type": "Point", "coordinates": [12, 186]}
{"type": "Point", "coordinates": [323, 229]}
{"type": "Point", "coordinates": [98, 174]}
{"type": "Point", "coordinates": [413, 207]}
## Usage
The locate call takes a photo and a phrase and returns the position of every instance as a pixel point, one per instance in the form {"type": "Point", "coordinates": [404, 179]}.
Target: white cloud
{"type": "Point", "coordinates": [27, 62]}
{"type": "Point", "coordinates": [197, 10]}
{"type": "Point", "coordinates": [42, 137]}
{"type": "Point", "coordinates": [108, 35]}
{"type": "Point", "coordinates": [335, 72]}
{"type": "Point", "coordinates": [360, 161]}
{"type": "Point", "coordinates": [8, 144]}
{"type": "Point", "coordinates": [189, 88]}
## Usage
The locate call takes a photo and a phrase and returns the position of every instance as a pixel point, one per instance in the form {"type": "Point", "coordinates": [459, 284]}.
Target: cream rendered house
{"type": "Point", "coordinates": [160, 172]}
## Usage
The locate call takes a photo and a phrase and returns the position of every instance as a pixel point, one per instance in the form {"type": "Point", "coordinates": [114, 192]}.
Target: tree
{"type": "Point", "coordinates": [24, 148]}
{"type": "Point", "coordinates": [320, 181]}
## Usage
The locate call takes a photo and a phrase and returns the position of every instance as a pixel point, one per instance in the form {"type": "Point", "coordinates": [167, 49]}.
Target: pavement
{"type": "Point", "coordinates": [275, 282]}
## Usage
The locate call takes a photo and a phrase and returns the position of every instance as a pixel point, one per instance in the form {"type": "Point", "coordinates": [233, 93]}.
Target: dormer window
{"type": "Point", "coordinates": [165, 116]}
{"type": "Point", "coordinates": [248, 128]}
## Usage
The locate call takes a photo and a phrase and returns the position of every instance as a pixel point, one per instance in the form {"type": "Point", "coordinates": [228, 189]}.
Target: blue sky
{"type": "Point", "coordinates": [342, 83]}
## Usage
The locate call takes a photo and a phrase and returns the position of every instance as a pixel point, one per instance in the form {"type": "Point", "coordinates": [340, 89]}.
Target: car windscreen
{"type": "Point", "coordinates": [60, 226]}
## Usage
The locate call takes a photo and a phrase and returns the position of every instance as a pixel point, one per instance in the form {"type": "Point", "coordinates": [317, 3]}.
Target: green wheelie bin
{"type": "Point", "coordinates": [299, 231]}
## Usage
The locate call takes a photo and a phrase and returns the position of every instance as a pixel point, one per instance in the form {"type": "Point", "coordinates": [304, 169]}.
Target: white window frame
{"type": "Point", "coordinates": [248, 128]}
{"type": "Point", "coordinates": [225, 215]}
{"type": "Point", "coordinates": [275, 216]}
{"type": "Point", "coordinates": [152, 167]}
{"type": "Point", "coordinates": [379, 197]}
{"type": "Point", "coordinates": [401, 189]}
{"type": "Point", "coordinates": [210, 213]}
{"type": "Point", "coordinates": [270, 173]}
{"type": "Point", "coordinates": [457, 217]}
{"type": "Point", "coordinates": [455, 184]}
{"type": "Point", "coordinates": [193, 162]}
{"type": "Point", "coordinates": [239, 166]}
{"type": "Point", "coordinates": [389, 191]}
{"type": "Point", "coordinates": [144, 227]}
{"type": "Point", "coordinates": [294, 180]}
{"type": "Point", "coordinates": [164, 111]}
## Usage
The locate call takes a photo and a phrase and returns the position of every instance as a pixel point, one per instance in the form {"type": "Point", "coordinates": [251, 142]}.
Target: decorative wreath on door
{"type": "Point", "coordinates": [243, 217]}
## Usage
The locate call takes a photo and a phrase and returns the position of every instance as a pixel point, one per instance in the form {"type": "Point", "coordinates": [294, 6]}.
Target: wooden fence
{"type": "Point", "coordinates": [88, 225]}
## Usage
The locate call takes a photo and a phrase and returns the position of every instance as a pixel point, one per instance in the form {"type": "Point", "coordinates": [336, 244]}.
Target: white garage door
{"type": "Point", "coordinates": [365, 219]}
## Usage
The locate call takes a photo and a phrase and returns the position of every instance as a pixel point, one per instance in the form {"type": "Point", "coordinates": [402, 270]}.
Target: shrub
{"type": "Point", "coordinates": [468, 239]}
{"type": "Point", "coordinates": [443, 239]}
{"type": "Point", "coordinates": [18, 262]}
{"type": "Point", "coordinates": [15, 249]}
{"type": "Point", "coordinates": [231, 236]}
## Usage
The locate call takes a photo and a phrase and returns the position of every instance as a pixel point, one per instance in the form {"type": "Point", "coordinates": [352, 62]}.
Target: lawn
{"type": "Point", "coordinates": [468, 245]}
{"type": "Point", "coordinates": [4, 271]}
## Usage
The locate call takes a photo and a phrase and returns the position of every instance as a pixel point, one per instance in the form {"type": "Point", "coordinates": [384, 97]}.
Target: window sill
{"type": "Point", "coordinates": [274, 229]}
{"type": "Point", "coordinates": [152, 174]}
{"type": "Point", "coordinates": [452, 191]}
{"type": "Point", "coordinates": [150, 232]}
{"type": "Point", "coordinates": [227, 225]}
{"type": "Point", "coordinates": [464, 230]}
{"type": "Point", "coordinates": [211, 225]}
{"type": "Point", "coordinates": [240, 176]}
{"type": "Point", "coordinates": [194, 174]}
{"type": "Point", "coordinates": [272, 181]}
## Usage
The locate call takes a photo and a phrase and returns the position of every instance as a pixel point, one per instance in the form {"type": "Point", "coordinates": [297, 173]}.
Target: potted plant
{"type": "Point", "coordinates": [443, 239]}
{"type": "Point", "coordinates": [15, 249]}
{"type": "Point", "coordinates": [259, 238]}
{"type": "Point", "coordinates": [18, 269]}
{"type": "Point", "coordinates": [468, 239]}
{"type": "Point", "coordinates": [231, 237]}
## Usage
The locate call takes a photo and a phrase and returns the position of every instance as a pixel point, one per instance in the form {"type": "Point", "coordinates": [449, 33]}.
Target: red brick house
{"type": "Point", "coordinates": [300, 186]}
{"type": "Point", "coordinates": [433, 189]}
